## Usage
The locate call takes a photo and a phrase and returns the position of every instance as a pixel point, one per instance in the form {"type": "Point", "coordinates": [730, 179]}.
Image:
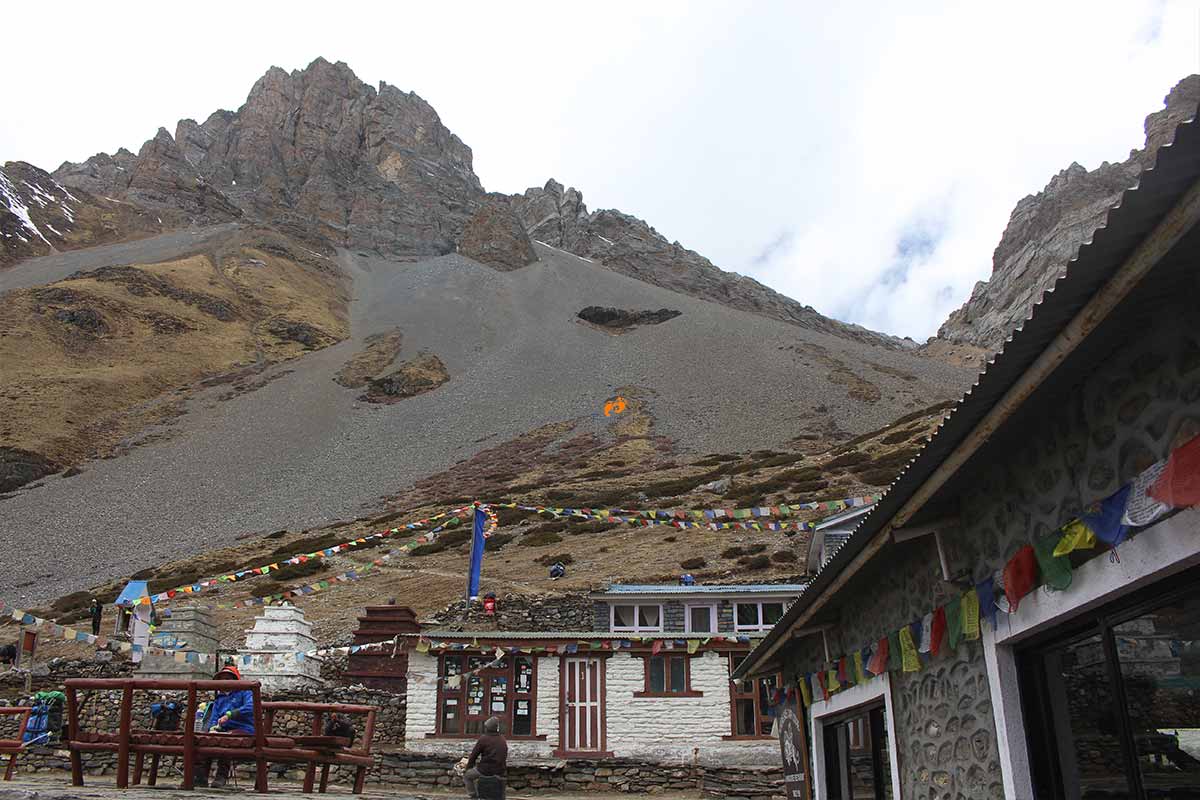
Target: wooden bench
{"type": "Point", "coordinates": [194, 747]}
{"type": "Point", "coordinates": [328, 750]}
{"type": "Point", "coordinates": [12, 747]}
{"type": "Point", "coordinates": [263, 747]}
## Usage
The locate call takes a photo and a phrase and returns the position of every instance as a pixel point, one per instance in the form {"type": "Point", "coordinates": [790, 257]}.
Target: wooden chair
{"type": "Point", "coordinates": [13, 747]}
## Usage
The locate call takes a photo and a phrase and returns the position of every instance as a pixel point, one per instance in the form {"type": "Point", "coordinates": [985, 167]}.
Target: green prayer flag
{"type": "Point", "coordinates": [953, 623]}
{"type": "Point", "coordinates": [895, 655]}
{"type": "Point", "coordinates": [1056, 570]}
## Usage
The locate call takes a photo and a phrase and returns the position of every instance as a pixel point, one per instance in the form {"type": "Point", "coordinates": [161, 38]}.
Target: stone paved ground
{"type": "Point", "coordinates": [102, 789]}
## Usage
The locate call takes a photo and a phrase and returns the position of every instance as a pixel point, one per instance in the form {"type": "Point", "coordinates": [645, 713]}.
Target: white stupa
{"type": "Point", "coordinates": [271, 647]}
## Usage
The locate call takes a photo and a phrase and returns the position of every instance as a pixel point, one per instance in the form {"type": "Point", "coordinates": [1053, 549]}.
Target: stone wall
{"type": "Point", "coordinates": [519, 613]}
{"type": "Point", "coordinates": [1103, 432]}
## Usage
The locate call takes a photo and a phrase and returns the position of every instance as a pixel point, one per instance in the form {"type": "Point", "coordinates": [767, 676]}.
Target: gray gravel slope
{"type": "Point", "coordinates": [302, 450]}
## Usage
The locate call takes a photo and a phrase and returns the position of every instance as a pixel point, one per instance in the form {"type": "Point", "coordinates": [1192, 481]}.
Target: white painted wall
{"type": "Point", "coordinates": [666, 729]}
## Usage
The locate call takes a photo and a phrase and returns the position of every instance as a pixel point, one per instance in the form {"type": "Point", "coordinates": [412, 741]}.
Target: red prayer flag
{"type": "Point", "coordinates": [878, 663]}
{"type": "Point", "coordinates": [843, 675]}
{"type": "Point", "coordinates": [1020, 575]}
{"type": "Point", "coordinates": [1179, 485]}
{"type": "Point", "coordinates": [654, 648]}
{"type": "Point", "coordinates": [937, 630]}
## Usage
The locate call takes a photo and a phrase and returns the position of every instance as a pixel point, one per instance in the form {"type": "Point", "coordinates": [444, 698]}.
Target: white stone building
{"type": "Point", "coordinates": [650, 683]}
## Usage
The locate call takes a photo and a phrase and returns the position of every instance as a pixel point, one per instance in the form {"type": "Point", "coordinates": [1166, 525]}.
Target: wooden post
{"type": "Point", "coordinates": [123, 734]}
{"type": "Point", "coordinates": [260, 742]}
{"type": "Point", "coordinates": [73, 736]}
{"type": "Point", "coordinates": [189, 739]}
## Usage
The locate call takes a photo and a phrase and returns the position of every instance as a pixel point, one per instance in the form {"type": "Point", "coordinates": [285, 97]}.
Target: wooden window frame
{"type": "Point", "coordinates": [712, 616]}
{"type": "Point", "coordinates": [509, 672]}
{"type": "Point", "coordinates": [612, 618]}
{"type": "Point", "coordinates": [687, 676]}
{"type": "Point", "coordinates": [760, 625]}
{"type": "Point", "coordinates": [735, 694]}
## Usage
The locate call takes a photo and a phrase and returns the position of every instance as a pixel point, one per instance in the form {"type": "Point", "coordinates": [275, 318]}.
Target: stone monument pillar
{"type": "Point", "coordinates": [271, 646]}
{"type": "Point", "coordinates": [191, 630]}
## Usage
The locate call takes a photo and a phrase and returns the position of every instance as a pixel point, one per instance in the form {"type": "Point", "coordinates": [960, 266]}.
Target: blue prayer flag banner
{"type": "Point", "coordinates": [476, 565]}
{"type": "Point", "coordinates": [1105, 521]}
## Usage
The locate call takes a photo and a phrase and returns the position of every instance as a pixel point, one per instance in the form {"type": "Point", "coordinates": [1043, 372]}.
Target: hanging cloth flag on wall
{"type": "Point", "coordinates": [1075, 536]}
{"type": "Point", "coordinates": [477, 544]}
{"type": "Point", "coordinates": [1055, 570]}
{"type": "Point", "coordinates": [938, 630]}
{"type": "Point", "coordinates": [970, 615]}
{"type": "Point", "coordinates": [986, 590]}
{"type": "Point", "coordinates": [1104, 518]}
{"type": "Point", "coordinates": [1144, 508]}
{"type": "Point", "coordinates": [1020, 574]}
{"type": "Point", "coordinates": [908, 650]}
{"type": "Point", "coordinates": [1179, 485]}
{"type": "Point", "coordinates": [879, 661]}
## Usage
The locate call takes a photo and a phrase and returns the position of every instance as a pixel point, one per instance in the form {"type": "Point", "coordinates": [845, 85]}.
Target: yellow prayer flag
{"type": "Point", "coordinates": [693, 646]}
{"type": "Point", "coordinates": [422, 645]}
{"type": "Point", "coordinates": [831, 681]}
{"type": "Point", "coordinates": [970, 615]}
{"type": "Point", "coordinates": [1076, 536]}
{"type": "Point", "coordinates": [859, 675]}
{"type": "Point", "coordinates": [908, 651]}
{"type": "Point", "coordinates": [805, 691]}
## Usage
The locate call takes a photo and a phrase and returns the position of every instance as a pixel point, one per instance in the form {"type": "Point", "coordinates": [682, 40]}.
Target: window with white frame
{"type": "Point", "coordinates": [701, 619]}
{"type": "Point", "coordinates": [637, 618]}
{"type": "Point", "coordinates": [757, 616]}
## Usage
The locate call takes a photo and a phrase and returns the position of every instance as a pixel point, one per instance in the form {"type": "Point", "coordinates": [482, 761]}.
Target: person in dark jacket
{"type": "Point", "coordinates": [488, 759]}
{"type": "Point", "coordinates": [231, 713]}
{"type": "Point", "coordinates": [97, 612]}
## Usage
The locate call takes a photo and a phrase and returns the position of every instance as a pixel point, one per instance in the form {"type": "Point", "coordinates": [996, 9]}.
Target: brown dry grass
{"type": "Point", "coordinates": [73, 391]}
{"type": "Point", "coordinates": [379, 350]}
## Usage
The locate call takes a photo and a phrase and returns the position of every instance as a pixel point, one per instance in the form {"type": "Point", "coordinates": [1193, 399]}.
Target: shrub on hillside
{"type": "Point", "coordinates": [732, 552]}
{"type": "Point", "coordinates": [783, 556]}
{"type": "Point", "coordinates": [428, 549]}
{"type": "Point", "coordinates": [496, 541]}
{"type": "Point", "coordinates": [754, 562]}
{"type": "Point", "coordinates": [565, 558]}
{"type": "Point", "coordinates": [293, 572]}
{"type": "Point", "coordinates": [693, 563]}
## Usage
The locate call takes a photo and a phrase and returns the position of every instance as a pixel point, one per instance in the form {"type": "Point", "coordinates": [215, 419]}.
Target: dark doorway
{"type": "Point", "coordinates": [1112, 702]}
{"type": "Point", "coordinates": [856, 755]}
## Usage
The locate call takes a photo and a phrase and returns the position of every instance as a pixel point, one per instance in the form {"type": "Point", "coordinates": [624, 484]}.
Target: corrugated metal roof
{"type": "Point", "coordinates": [654, 589]}
{"type": "Point", "coordinates": [1140, 209]}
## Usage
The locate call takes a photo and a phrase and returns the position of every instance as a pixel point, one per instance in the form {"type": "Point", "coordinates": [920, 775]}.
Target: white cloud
{"type": "Point", "coordinates": [730, 127]}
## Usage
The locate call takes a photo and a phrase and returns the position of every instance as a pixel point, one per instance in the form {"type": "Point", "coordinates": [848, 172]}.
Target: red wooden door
{"type": "Point", "coordinates": [582, 717]}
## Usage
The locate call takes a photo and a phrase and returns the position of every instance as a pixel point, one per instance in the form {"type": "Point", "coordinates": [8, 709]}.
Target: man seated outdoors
{"type": "Point", "coordinates": [229, 713]}
{"type": "Point", "coordinates": [488, 762]}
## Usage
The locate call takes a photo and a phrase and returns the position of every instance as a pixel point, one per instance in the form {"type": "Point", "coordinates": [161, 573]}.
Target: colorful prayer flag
{"type": "Point", "coordinates": [938, 630]}
{"type": "Point", "coordinates": [970, 615]}
{"type": "Point", "coordinates": [1104, 518]}
{"type": "Point", "coordinates": [908, 650]}
{"type": "Point", "coordinates": [1142, 508]}
{"type": "Point", "coordinates": [1179, 485]}
{"type": "Point", "coordinates": [1055, 570]}
{"type": "Point", "coordinates": [1075, 536]}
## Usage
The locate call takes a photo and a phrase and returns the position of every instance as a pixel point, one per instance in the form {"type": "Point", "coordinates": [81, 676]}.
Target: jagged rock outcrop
{"type": "Point", "coordinates": [558, 217]}
{"type": "Point", "coordinates": [1045, 231]}
{"type": "Point", "coordinates": [496, 237]}
{"type": "Point", "coordinates": [39, 215]}
{"type": "Point", "coordinates": [620, 319]}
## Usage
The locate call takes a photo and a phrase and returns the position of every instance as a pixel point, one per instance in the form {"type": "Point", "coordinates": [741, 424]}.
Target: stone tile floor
{"type": "Point", "coordinates": [104, 789]}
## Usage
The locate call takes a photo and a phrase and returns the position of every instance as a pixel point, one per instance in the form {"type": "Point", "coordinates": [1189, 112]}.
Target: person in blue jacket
{"type": "Point", "coordinates": [231, 713]}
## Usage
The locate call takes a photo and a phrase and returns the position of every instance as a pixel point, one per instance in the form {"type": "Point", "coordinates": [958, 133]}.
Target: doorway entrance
{"type": "Point", "coordinates": [857, 766]}
{"type": "Point", "coordinates": [582, 719]}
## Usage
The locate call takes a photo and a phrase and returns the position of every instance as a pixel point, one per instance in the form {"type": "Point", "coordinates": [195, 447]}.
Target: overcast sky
{"type": "Point", "coordinates": [863, 161]}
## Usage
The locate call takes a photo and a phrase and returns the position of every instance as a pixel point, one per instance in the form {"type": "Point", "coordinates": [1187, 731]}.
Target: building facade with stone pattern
{"type": "Point", "coordinates": [650, 680]}
{"type": "Point", "coordinates": [1090, 689]}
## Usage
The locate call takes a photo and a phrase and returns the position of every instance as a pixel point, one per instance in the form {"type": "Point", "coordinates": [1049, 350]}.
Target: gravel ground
{"type": "Point", "coordinates": [302, 451]}
{"type": "Point", "coordinates": [47, 269]}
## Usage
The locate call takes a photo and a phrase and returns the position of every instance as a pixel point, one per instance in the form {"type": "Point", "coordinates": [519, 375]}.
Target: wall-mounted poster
{"type": "Point", "coordinates": [794, 749]}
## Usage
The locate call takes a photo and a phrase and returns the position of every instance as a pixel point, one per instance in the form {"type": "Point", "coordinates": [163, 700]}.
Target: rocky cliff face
{"type": "Point", "coordinates": [558, 217]}
{"type": "Point", "coordinates": [39, 215]}
{"type": "Point", "coordinates": [316, 152]}
{"type": "Point", "coordinates": [496, 237]}
{"type": "Point", "coordinates": [1045, 232]}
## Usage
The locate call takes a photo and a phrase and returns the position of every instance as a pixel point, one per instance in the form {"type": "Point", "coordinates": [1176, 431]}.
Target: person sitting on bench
{"type": "Point", "coordinates": [489, 759]}
{"type": "Point", "coordinates": [230, 713]}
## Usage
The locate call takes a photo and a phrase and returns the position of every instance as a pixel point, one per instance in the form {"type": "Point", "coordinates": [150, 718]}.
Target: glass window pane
{"type": "Point", "coordinates": [1159, 655]}
{"type": "Point", "coordinates": [624, 616]}
{"type": "Point", "coordinates": [678, 675]}
{"type": "Point", "coordinates": [648, 616]}
{"type": "Point", "coordinates": [700, 619]}
{"type": "Point", "coordinates": [657, 674]}
{"type": "Point", "coordinates": [450, 715]}
{"type": "Point", "coordinates": [772, 613]}
{"type": "Point", "coordinates": [747, 613]}
{"type": "Point", "coordinates": [1084, 716]}
{"type": "Point", "coordinates": [744, 718]}
{"type": "Point", "coordinates": [522, 719]}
